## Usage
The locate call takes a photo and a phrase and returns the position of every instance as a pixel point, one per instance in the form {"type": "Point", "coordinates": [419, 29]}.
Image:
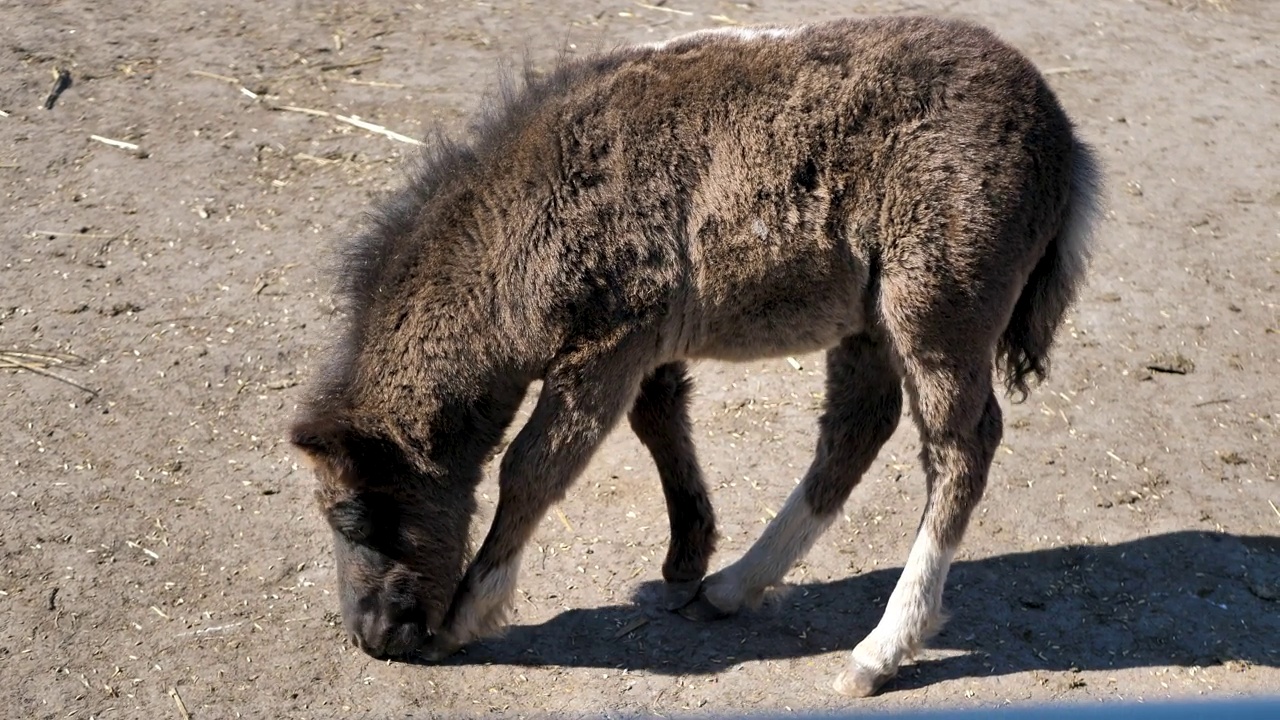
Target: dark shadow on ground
{"type": "Point", "coordinates": [1183, 599]}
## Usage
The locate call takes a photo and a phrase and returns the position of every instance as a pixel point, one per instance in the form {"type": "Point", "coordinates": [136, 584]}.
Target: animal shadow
{"type": "Point", "coordinates": [1184, 598]}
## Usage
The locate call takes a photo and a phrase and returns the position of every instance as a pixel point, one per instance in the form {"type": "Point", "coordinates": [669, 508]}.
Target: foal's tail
{"type": "Point", "coordinates": [1055, 281]}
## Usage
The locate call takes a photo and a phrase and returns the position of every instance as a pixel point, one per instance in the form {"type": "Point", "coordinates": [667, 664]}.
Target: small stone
{"type": "Point", "coordinates": [1174, 363]}
{"type": "Point", "coordinates": [1232, 457]}
{"type": "Point", "coordinates": [1265, 588]}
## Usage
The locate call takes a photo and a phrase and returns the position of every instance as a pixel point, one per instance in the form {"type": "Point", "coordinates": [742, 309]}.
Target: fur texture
{"type": "Point", "coordinates": [904, 192]}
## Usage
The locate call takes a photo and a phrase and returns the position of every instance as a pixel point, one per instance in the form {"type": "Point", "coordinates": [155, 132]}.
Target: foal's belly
{"type": "Point", "coordinates": [792, 306]}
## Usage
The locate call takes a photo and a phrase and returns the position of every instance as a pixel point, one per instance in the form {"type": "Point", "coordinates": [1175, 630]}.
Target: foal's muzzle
{"type": "Point", "coordinates": [389, 632]}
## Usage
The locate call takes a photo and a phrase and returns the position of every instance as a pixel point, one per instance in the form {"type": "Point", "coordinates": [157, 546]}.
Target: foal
{"type": "Point", "coordinates": [905, 192]}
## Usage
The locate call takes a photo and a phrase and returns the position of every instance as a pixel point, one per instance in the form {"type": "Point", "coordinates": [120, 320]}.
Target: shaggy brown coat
{"type": "Point", "coordinates": [906, 192]}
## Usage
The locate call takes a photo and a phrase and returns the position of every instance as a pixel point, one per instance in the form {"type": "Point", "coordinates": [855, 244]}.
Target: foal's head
{"type": "Point", "coordinates": [400, 531]}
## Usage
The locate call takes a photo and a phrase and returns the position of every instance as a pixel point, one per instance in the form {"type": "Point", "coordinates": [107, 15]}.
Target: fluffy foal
{"type": "Point", "coordinates": [906, 193]}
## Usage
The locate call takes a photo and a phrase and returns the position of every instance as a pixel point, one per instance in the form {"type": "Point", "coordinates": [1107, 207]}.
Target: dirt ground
{"type": "Point", "coordinates": [161, 556]}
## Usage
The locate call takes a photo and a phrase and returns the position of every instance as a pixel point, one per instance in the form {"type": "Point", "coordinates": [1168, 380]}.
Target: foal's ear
{"type": "Point", "coordinates": [330, 444]}
{"type": "Point", "coordinates": [321, 438]}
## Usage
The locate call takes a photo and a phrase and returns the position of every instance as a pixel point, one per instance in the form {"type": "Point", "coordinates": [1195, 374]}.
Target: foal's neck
{"type": "Point", "coordinates": [440, 381]}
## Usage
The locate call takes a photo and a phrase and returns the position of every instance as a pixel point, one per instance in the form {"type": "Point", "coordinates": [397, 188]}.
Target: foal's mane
{"type": "Point", "coordinates": [362, 262]}
{"type": "Point", "coordinates": [386, 233]}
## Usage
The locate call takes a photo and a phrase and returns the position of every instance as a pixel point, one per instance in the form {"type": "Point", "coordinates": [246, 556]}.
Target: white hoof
{"type": "Point", "coordinates": [859, 681]}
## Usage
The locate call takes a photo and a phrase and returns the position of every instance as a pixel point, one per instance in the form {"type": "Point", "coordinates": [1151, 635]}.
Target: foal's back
{"type": "Point", "coordinates": [752, 186]}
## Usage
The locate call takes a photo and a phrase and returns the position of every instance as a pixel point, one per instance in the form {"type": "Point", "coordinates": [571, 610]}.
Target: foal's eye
{"type": "Point", "coordinates": [351, 519]}
{"type": "Point", "coordinates": [370, 519]}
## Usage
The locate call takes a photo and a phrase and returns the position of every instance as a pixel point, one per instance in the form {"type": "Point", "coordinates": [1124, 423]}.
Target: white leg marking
{"type": "Point", "coordinates": [913, 613]}
{"type": "Point", "coordinates": [483, 610]}
{"type": "Point", "coordinates": [788, 537]}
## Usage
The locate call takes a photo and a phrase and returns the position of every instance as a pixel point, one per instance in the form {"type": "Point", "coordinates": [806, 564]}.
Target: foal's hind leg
{"type": "Point", "coordinates": [583, 396]}
{"type": "Point", "coordinates": [948, 365]}
{"type": "Point", "coordinates": [660, 418]}
{"type": "Point", "coordinates": [960, 433]}
{"type": "Point", "coordinates": [864, 402]}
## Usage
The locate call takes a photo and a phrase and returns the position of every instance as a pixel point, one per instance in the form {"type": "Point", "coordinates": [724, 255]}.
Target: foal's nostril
{"type": "Point", "coordinates": [367, 632]}
{"type": "Point", "coordinates": [383, 635]}
{"type": "Point", "coordinates": [358, 640]}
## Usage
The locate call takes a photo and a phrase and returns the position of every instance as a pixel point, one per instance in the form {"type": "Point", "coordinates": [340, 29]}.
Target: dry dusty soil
{"type": "Point", "coordinates": [160, 554]}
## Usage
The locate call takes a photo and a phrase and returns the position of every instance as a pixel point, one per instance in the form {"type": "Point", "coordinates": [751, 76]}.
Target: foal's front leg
{"type": "Point", "coordinates": [660, 418]}
{"type": "Point", "coordinates": [583, 395]}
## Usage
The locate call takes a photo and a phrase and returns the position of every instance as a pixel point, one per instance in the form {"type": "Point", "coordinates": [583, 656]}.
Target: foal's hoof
{"type": "Point", "coordinates": [438, 649]}
{"type": "Point", "coordinates": [859, 682]}
{"type": "Point", "coordinates": [680, 594]}
{"type": "Point", "coordinates": [703, 610]}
